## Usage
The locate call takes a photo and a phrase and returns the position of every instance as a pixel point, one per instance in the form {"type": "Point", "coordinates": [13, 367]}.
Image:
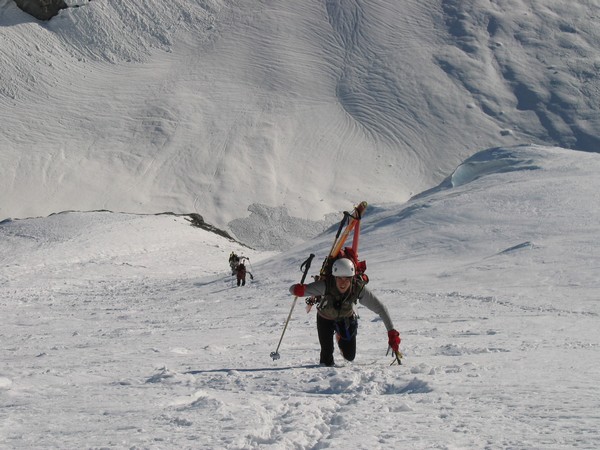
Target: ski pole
{"type": "Point", "coordinates": [339, 231]}
{"type": "Point", "coordinates": [251, 268]}
{"type": "Point", "coordinates": [304, 267]}
{"type": "Point", "coordinates": [335, 241]}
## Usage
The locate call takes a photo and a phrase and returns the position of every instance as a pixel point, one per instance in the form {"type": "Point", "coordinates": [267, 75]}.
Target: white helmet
{"type": "Point", "coordinates": [343, 267]}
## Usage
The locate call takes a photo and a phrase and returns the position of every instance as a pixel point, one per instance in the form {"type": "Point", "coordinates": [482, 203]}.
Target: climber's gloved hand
{"type": "Point", "coordinates": [298, 290]}
{"type": "Point", "coordinates": [394, 340]}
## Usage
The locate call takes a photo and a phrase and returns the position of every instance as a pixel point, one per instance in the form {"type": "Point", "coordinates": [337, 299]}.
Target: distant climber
{"type": "Point", "coordinates": [234, 260]}
{"type": "Point", "coordinates": [241, 274]}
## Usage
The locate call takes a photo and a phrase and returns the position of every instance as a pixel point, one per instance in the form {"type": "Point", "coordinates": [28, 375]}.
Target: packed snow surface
{"type": "Point", "coordinates": [126, 331]}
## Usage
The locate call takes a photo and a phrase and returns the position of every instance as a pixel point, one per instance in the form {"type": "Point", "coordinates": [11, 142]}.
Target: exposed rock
{"type": "Point", "coordinates": [42, 9]}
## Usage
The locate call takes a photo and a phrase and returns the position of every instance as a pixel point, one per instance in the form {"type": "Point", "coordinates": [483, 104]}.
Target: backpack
{"type": "Point", "coordinates": [359, 266]}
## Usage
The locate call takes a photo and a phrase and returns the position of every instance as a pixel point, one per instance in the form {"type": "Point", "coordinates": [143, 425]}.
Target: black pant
{"type": "Point", "coordinates": [347, 343]}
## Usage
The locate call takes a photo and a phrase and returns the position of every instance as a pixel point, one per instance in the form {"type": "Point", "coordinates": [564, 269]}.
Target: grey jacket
{"type": "Point", "coordinates": [334, 305]}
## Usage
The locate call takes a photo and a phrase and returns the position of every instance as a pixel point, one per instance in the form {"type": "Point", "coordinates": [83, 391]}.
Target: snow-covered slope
{"type": "Point", "coordinates": [148, 106]}
{"type": "Point", "coordinates": [124, 331]}
{"type": "Point", "coordinates": [121, 330]}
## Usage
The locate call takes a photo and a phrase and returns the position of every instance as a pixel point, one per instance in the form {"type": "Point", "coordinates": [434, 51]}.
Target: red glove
{"type": "Point", "coordinates": [394, 340]}
{"type": "Point", "coordinates": [298, 290]}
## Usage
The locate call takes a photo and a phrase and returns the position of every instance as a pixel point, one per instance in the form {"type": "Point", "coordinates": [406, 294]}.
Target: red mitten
{"type": "Point", "coordinates": [298, 290]}
{"type": "Point", "coordinates": [394, 340]}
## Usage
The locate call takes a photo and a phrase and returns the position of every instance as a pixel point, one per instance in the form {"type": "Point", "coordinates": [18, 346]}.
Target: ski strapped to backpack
{"type": "Point", "coordinates": [350, 224]}
{"type": "Point", "coordinates": [353, 221]}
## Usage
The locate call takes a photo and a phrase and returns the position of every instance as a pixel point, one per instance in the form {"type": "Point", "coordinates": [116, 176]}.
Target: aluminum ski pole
{"type": "Point", "coordinates": [304, 267]}
{"type": "Point", "coordinates": [251, 269]}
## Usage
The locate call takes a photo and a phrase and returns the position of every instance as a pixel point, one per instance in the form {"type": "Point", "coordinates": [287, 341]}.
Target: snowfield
{"type": "Point", "coordinates": [470, 127]}
{"type": "Point", "coordinates": [126, 331]}
{"type": "Point", "coordinates": [212, 106]}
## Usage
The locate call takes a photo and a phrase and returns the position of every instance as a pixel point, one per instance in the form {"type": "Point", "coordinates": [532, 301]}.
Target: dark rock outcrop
{"type": "Point", "coordinates": [42, 9]}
